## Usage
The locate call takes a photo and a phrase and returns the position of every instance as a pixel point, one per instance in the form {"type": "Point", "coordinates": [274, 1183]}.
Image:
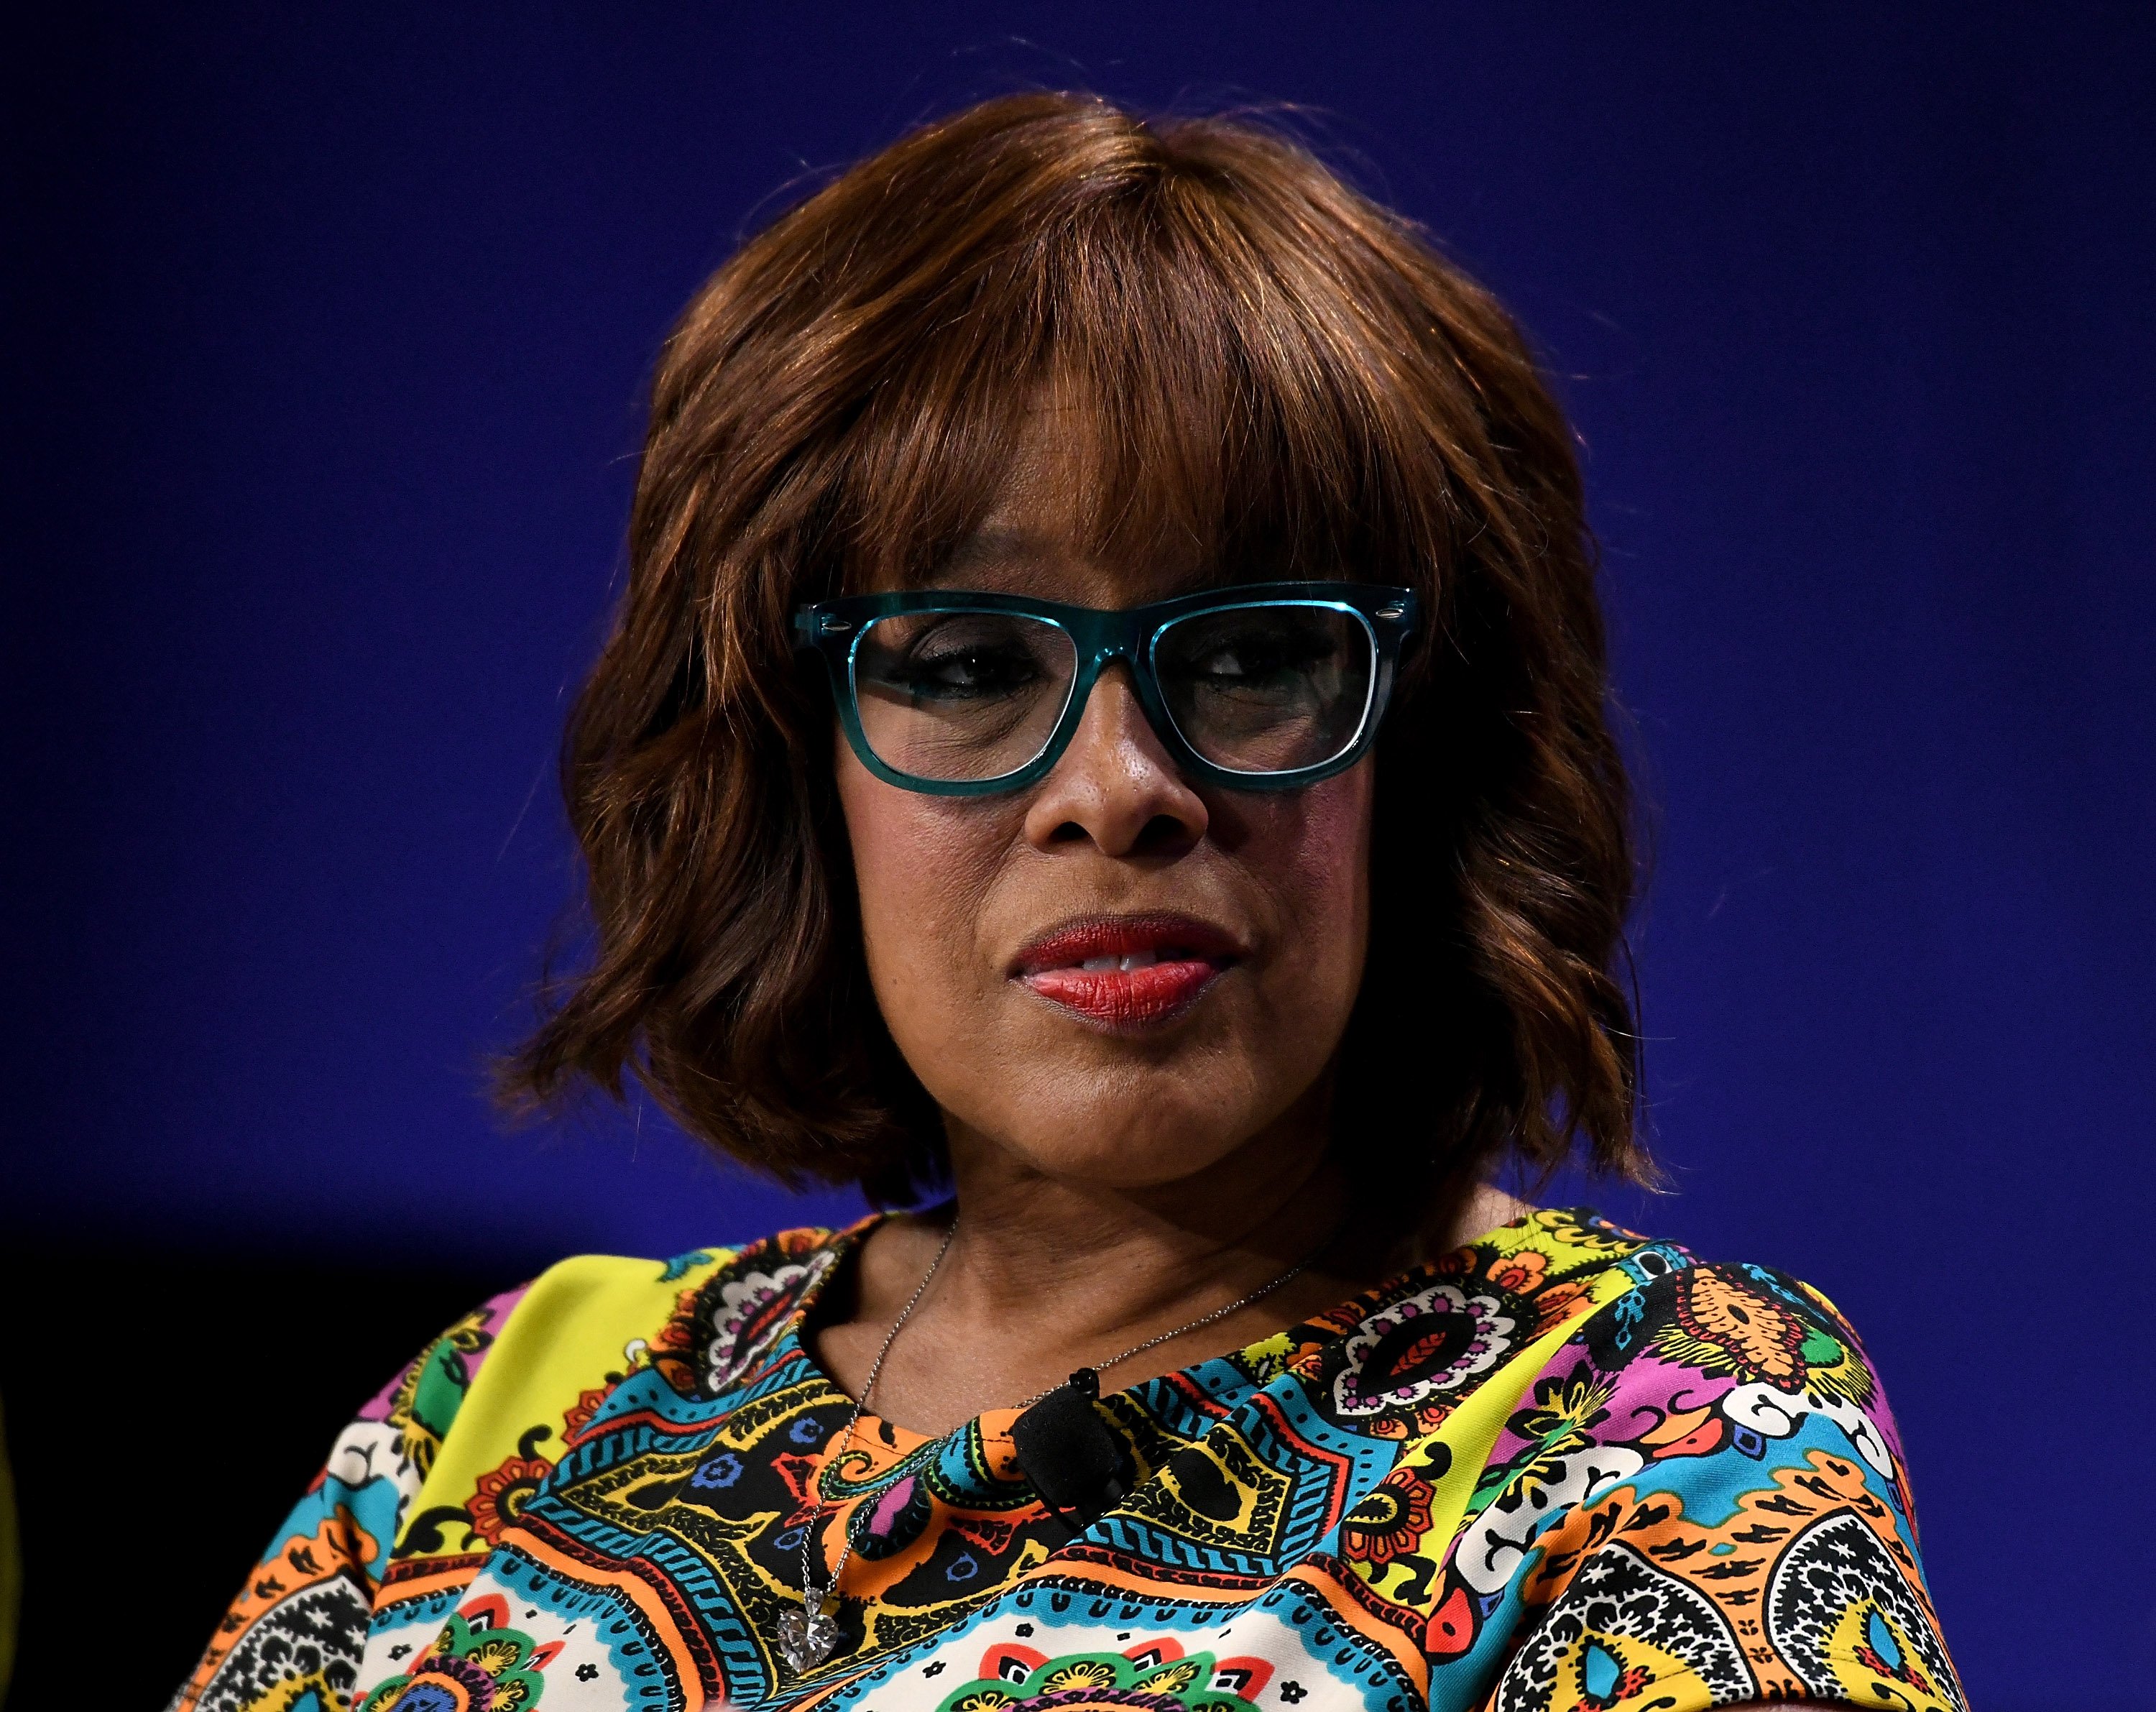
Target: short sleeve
{"type": "Point", "coordinates": [300, 1621]}
{"type": "Point", "coordinates": [1703, 1493]}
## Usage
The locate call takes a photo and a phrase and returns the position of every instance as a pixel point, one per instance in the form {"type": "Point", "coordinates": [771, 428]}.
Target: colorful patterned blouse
{"type": "Point", "coordinates": [1562, 1468]}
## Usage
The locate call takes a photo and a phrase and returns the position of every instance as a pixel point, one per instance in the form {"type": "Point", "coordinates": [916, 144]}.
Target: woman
{"type": "Point", "coordinates": [1106, 737]}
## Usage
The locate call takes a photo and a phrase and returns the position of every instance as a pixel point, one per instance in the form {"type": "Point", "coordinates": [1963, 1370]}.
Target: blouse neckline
{"type": "Point", "coordinates": [1228, 1378]}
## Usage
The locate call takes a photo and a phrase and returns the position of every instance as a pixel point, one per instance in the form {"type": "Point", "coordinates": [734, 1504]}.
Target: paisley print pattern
{"type": "Point", "coordinates": [1853, 1620]}
{"type": "Point", "coordinates": [1562, 1469]}
{"type": "Point", "coordinates": [748, 1311]}
{"type": "Point", "coordinates": [1622, 1625]}
{"type": "Point", "coordinates": [1423, 1347]}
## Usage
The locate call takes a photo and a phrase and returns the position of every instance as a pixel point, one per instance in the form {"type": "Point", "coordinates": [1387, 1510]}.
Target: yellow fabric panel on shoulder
{"type": "Point", "coordinates": [584, 1317]}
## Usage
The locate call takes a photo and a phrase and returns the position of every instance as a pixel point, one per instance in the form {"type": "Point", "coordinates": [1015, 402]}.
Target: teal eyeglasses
{"type": "Point", "coordinates": [1267, 687]}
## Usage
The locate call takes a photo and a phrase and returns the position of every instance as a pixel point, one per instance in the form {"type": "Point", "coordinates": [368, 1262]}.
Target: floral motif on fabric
{"type": "Point", "coordinates": [1156, 1674]}
{"type": "Point", "coordinates": [502, 1491]}
{"type": "Point", "coordinates": [1394, 1519]}
{"type": "Point", "coordinates": [478, 1663]}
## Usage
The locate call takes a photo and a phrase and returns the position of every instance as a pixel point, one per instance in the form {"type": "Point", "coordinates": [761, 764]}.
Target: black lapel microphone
{"type": "Point", "coordinates": [1077, 1462]}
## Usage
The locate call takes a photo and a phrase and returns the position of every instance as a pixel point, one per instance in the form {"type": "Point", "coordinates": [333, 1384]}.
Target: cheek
{"type": "Point", "coordinates": [1311, 850]}
{"type": "Point", "coordinates": [921, 865]}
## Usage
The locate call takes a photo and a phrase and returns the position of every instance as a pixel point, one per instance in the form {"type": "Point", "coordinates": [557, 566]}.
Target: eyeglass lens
{"type": "Point", "coordinates": [952, 696]}
{"type": "Point", "coordinates": [974, 695]}
{"type": "Point", "coordinates": [1266, 689]}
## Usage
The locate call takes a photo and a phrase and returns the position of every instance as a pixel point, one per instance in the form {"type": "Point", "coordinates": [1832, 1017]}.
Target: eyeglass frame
{"type": "Point", "coordinates": [1100, 637]}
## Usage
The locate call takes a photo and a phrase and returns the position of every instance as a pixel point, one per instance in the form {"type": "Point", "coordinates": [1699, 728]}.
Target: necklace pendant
{"type": "Point", "coordinates": [807, 1636]}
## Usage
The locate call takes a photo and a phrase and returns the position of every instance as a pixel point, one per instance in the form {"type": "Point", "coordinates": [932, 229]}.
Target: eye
{"type": "Point", "coordinates": [1252, 655]}
{"type": "Point", "coordinates": [961, 659]}
{"type": "Point", "coordinates": [977, 669]}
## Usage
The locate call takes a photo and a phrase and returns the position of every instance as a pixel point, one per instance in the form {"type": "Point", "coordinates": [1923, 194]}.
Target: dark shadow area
{"type": "Point", "coordinates": [163, 1414]}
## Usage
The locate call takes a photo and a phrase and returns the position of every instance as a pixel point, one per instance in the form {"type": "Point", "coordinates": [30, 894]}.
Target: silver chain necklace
{"type": "Point", "coordinates": [807, 1636]}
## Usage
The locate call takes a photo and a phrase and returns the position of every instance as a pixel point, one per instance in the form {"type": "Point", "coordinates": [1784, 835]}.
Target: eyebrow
{"type": "Point", "coordinates": [999, 541]}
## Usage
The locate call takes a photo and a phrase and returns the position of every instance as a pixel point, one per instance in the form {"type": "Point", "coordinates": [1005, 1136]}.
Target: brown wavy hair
{"type": "Point", "coordinates": [1288, 378]}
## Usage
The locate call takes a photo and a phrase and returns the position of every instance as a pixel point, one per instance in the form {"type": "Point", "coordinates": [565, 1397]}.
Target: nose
{"type": "Point", "coordinates": [1116, 784]}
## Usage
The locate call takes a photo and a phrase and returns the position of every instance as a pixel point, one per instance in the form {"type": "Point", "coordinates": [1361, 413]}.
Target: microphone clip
{"type": "Point", "coordinates": [1077, 1462]}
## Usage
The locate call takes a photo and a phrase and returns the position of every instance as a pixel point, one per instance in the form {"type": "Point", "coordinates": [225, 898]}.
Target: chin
{"type": "Point", "coordinates": [1126, 1143]}
{"type": "Point", "coordinates": [1085, 1106]}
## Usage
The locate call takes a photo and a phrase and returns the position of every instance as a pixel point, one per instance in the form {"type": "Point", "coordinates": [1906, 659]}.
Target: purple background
{"type": "Point", "coordinates": [326, 331]}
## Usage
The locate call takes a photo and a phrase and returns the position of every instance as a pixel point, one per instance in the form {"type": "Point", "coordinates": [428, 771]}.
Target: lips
{"type": "Point", "coordinates": [1127, 971]}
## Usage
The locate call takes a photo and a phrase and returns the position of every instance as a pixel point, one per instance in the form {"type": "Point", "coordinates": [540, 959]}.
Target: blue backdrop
{"type": "Point", "coordinates": [327, 330]}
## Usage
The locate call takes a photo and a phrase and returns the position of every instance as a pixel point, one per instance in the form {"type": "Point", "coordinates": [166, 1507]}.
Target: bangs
{"type": "Point", "coordinates": [1243, 385]}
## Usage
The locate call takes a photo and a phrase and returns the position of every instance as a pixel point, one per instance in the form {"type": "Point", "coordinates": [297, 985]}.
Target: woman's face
{"type": "Point", "coordinates": [1245, 914]}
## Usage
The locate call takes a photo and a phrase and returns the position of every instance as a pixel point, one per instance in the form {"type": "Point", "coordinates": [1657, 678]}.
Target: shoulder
{"type": "Point", "coordinates": [588, 1320]}
{"type": "Point", "coordinates": [1767, 1351]}
{"type": "Point", "coordinates": [485, 1411]}
{"type": "Point", "coordinates": [1630, 1358]}
{"type": "Point", "coordinates": [421, 1484]}
{"type": "Point", "coordinates": [1567, 1280]}
{"type": "Point", "coordinates": [1693, 1468]}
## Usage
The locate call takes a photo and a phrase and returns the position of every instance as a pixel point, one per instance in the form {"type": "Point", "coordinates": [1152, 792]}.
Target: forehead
{"type": "Point", "coordinates": [1009, 558]}
{"type": "Point", "coordinates": [1055, 528]}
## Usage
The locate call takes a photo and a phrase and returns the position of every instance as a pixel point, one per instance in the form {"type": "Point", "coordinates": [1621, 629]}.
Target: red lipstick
{"type": "Point", "coordinates": [1127, 971]}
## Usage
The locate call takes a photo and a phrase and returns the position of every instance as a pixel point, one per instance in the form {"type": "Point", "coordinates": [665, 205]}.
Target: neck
{"type": "Point", "coordinates": [1094, 1264]}
{"type": "Point", "coordinates": [1046, 1274]}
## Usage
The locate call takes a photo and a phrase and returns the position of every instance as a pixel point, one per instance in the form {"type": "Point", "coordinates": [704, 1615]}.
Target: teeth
{"type": "Point", "coordinates": [1123, 964]}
